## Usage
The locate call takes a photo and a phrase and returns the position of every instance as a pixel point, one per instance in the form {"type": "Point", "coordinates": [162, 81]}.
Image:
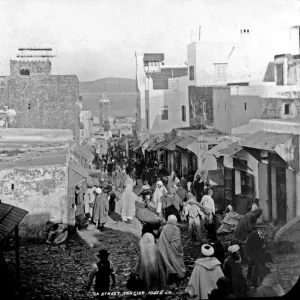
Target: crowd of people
{"type": "Point", "coordinates": [164, 202]}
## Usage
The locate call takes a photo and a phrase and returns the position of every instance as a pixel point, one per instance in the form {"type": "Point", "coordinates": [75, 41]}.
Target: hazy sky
{"type": "Point", "coordinates": [98, 38]}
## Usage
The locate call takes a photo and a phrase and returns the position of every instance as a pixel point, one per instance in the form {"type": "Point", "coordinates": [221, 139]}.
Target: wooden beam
{"type": "Point", "coordinates": [17, 246]}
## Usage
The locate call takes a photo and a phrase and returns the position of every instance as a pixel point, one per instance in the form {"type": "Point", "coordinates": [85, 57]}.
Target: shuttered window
{"type": "Point", "coordinates": [165, 113]}
{"type": "Point", "coordinates": [183, 112]}
{"type": "Point", "coordinates": [191, 73]}
{"type": "Point", "coordinates": [221, 71]}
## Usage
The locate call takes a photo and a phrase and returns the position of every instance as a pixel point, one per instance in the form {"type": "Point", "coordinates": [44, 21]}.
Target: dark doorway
{"type": "Point", "coordinates": [281, 194]}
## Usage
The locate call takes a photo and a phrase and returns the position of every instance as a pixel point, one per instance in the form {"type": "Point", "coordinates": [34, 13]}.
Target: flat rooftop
{"type": "Point", "coordinates": [35, 136]}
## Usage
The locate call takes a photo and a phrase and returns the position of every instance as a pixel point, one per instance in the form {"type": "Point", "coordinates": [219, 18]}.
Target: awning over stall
{"type": "Point", "coordinates": [171, 146]}
{"type": "Point", "coordinates": [10, 217]}
{"type": "Point", "coordinates": [186, 142]}
{"type": "Point", "coordinates": [160, 145]}
{"type": "Point", "coordinates": [225, 148]}
{"type": "Point", "coordinates": [286, 145]}
{"type": "Point", "coordinates": [148, 143]}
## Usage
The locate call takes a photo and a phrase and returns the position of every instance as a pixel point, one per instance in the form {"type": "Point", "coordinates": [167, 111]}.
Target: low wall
{"type": "Point", "coordinates": [41, 190]}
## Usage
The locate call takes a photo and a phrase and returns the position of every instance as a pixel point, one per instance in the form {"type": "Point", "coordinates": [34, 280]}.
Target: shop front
{"type": "Point", "coordinates": [278, 156]}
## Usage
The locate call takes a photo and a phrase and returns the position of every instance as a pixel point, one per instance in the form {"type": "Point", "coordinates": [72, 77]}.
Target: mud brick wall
{"type": "Point", "coordinates": [199, 94]}
{"type": "Point", "coordinates": [34, 67]}
{"type": "Point", "coordinates": [2, 91]}
{"type": "Point", "coordinates": [43, 101]}
{"type": "Point", "coordinates": [41, 190]}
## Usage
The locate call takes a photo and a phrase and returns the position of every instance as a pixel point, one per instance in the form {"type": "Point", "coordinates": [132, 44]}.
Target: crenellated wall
{"type": "Point", "coordinates": [42, 67]}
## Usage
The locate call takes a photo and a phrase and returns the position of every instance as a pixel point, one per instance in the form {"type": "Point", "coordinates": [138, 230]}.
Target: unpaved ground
{"type": "Point", "coordinates": [49, 272]}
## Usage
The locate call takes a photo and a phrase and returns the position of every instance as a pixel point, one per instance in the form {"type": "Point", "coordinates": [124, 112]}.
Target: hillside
{"type": "Point", "coordinates": [121, 92]}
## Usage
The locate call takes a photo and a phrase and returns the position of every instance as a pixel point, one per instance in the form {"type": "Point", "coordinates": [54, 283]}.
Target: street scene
{"type": "Point", "coordinates": [149, 150]}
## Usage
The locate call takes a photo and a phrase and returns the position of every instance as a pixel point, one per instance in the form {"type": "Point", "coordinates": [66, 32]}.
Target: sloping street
{"type": "Point", "coordinates": [58, 273]}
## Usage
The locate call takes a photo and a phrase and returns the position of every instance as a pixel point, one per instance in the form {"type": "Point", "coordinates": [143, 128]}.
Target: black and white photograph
{"type": "Point", "coordinates": [149, 149]}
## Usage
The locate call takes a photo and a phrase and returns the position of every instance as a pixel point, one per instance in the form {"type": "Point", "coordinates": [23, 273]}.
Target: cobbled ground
{"type": "Point", "coordinates": [49, 272]}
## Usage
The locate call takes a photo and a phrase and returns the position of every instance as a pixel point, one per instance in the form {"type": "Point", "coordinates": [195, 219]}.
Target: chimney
{"type": "Point", "coordinates": [245, 34]}
{"type": "Point", "coordinates": [295, 39]}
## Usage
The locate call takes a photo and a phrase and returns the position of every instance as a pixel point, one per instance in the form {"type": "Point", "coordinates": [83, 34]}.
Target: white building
{"type": "Point", "coordinates": [87, 120]}
{"type": "Point", "coordinates": [249, 58]}
{"type": "Point", "coordinates": [163, 95]}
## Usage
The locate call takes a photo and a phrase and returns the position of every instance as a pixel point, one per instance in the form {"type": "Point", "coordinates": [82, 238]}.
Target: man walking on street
{"type": "Point", "coordinates": [198, 187]}
{"type": "Point", "coordinates": [208, 203]}
{"type": "Point", "coordinates": [101, 207]}
{"type": "Point", "coordinates": [147, 175]}
{"type": "Point", "coordinates": [257, 255]}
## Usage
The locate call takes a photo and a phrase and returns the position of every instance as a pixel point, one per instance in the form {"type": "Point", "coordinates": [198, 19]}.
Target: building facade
{"type": "Point", "coordinates": [162, 102]}
{"type": "Point", "coordinates": [86, 133]}
{"type": "Point", "coordinates": [40, 99]}
{"type": "Point", "coordinates": [40, 176]}
{"type": "Point", "coordinates": [221, 63]}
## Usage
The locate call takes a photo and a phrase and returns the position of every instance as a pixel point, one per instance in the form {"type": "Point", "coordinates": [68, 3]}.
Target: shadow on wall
{"type": "Point", "coordinates": [31, 227]}
{"type": "Point", "coordinates": [158, 125]}
{"type": "Point", "coordinates": [269, 74]}
{"type": "Point", "coordinates": [165, 126]}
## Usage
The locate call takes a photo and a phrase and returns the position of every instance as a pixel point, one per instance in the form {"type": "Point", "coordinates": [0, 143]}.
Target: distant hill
{"type": "Point", "coordinates": [123, 95]}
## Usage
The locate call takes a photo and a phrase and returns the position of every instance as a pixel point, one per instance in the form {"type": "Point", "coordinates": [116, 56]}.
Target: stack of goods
{"type": "Point", "coordinates": [229, 223]}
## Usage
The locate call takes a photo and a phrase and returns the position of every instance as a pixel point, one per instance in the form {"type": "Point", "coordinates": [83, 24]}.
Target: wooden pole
{"type": "Point", "coordinates": [17, 245]}
{"type": "Point", "coordinates": [127, 147]}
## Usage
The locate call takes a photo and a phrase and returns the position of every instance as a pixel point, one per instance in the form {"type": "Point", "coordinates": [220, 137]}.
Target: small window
{"type": "Point", "coordinates": [286, 109]}
{"type": "Point", "coordinates": [165, 113]}
{"type": "Point", "coordinates": [279, 73]}
{"type": "Point", "coordinates": [221, 71]}
{"type": "Point", "coordinates": [191, 73]}
{"type": "Point", "coordinates": [146, 63]}
{"type": "Point", "coordinates": [147, 118]}
{"type": "Point", "coordinates": [12, 186]}
{"type": "Point", "coordinates": [24, 72]}
{"type": "Point", "coordinates": [29, 106]}
{"type": "Point", "coordinates": [183, 113]}
{"type": "Point", "coordinates": [245, 105]}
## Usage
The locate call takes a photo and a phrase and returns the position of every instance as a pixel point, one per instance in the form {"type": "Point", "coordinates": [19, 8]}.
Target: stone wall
{"type": "Point", "coordinates": [41, 190]}
{"type": "Point", "coordinates": [201, 106]}
{"type": "Point", "coordinates": [33, 67]}
{"type": "Point", "coordinates": [275, 108]}
{"type": "Point", "coordinates": [43, 101]}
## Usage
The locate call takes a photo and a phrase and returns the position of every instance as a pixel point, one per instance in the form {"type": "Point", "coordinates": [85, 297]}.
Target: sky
{"type": "Point", "coordinates": [94, 39]}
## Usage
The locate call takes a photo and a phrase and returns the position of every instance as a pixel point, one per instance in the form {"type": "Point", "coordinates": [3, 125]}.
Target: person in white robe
{"type": "Point", "coordinates": [159, 192]}
{"type": "Point", "coordinates": [89, 199]}
{"type": "Point", "coordinates": [208, 203]}
{"type": "Point", "coordinates": [128, 198]}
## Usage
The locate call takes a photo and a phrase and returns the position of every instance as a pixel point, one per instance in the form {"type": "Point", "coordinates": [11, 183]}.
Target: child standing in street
{"type": "Point", "coordinates": [103, 270]}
